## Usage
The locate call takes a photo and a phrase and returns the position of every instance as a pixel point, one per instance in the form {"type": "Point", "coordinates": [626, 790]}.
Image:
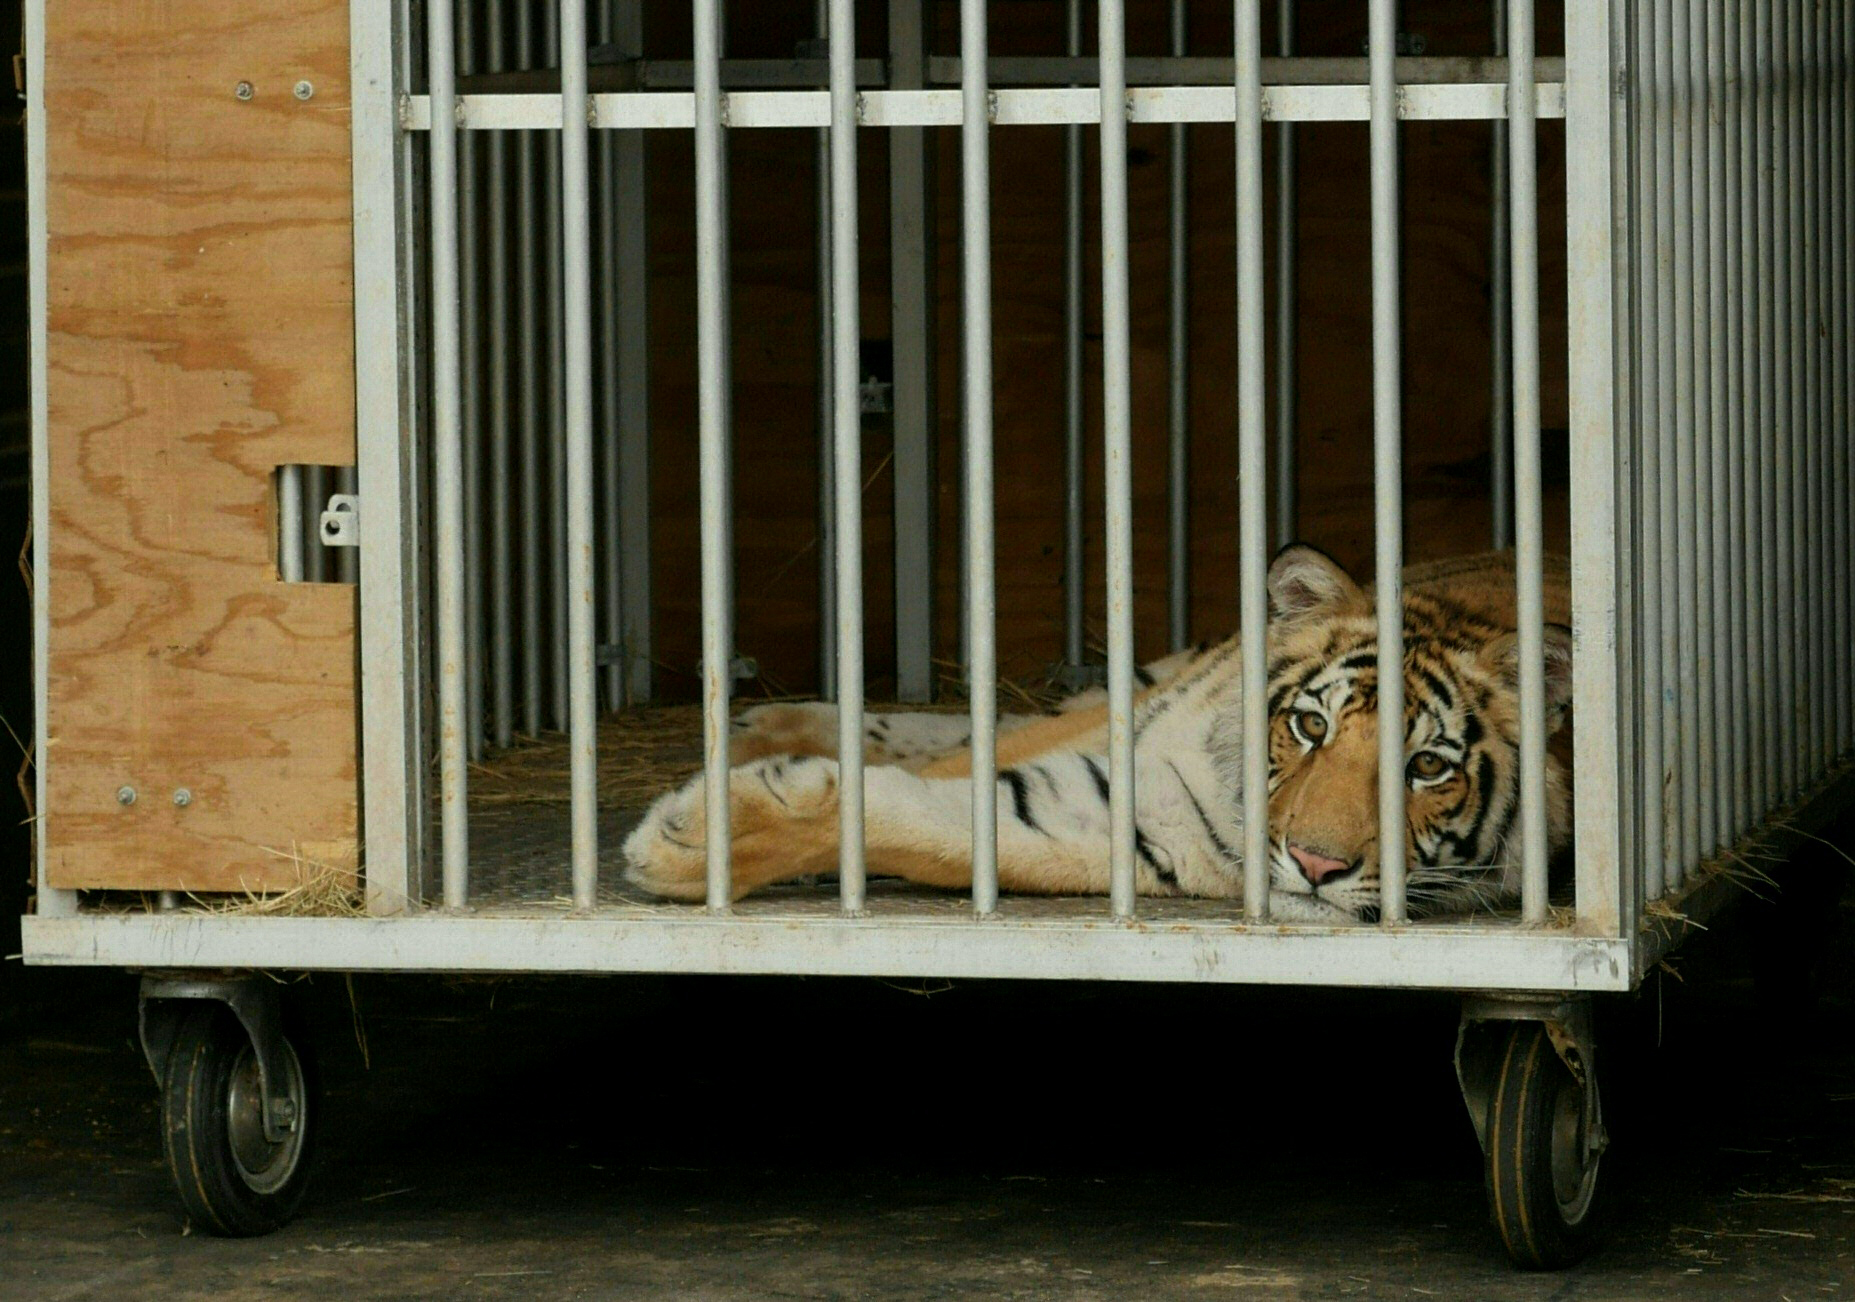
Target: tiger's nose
{"type": "Point", "coordinates": [1317, 868]}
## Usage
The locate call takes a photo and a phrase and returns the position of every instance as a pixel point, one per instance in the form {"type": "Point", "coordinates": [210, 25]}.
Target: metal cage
{"type": "Point", "coordinates": [498, 210]}
{"type": "Point", "coordinates": [1707, 230]}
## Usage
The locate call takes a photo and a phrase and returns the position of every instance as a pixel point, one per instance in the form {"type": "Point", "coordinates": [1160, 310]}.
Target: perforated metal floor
{"type": "Point", "coordinates": [519, 864]}
{"type": "Point", "coordinates": [520, 850]}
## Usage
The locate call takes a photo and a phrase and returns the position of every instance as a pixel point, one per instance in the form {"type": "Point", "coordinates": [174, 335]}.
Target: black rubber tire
{"type": "Point", "coordinates": [1546, 1218]}
{"type": "Point", "coordinates": [210, 1051]}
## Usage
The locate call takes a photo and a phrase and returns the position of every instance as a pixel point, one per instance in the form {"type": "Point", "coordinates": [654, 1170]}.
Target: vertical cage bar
{"type": "Point", "coordinates": [1074, 561]}
{"type": "Point", "coordinates": [1717, 626]}
{"type": "Point", "coordinates": [634, 421]}
{"type": "Point", "coordinates": [1729, 176]}
{"type": "Point", "coordinates": [1178, 303]}
{"type": "Point", "coordinates": [1387, 457]}
{"type": "Point", "coordinates": [447, 454]}
{"type": "Point", "coordinates": [1810, 549]}
{"type": "Point", "coordinates": [528, 348]}
{"type": "Point", "coordinates": [976, 330]}
{"type": "Point", "coordinates": [1117, 440]}
{"type": "Point", "coordinates": [1287, 259]}
{"type": "Point", "coordinates": [290, 523]}
{"type": "Point", "coordinates": [913, 273]}
{"type": "Point", "coordinates": [847, 419]}
{"type": "Point", "coordinates": [1842, 235]}
{"type": "Point", "coordinates": [575, 287]}
{"type": "Point", "coordinates": [1822, 556]}
{"type": "Point", "coordinates": [1792, 533]}
{"type": "Point", "coordinates": [611, 564]}
{"type": "Point", "coordinates": [1752, 427]}
{"type": "Point", "coordinates": [1645, 116]}
{"type": "Point", "coordinates": [1829, 68]}
{"type": "Point", "coordinates": [555, 333]}
{"type": "Point", "coordinates": [611, 567]}
{"type": "Point", "coordinates": [1523, 238]}
{"type": "Point", "coordinates": [529, 343]}
{"type": "Point", "coordinates": [394, 651]}
{"type": "Point", "coordinates": [712, 410]}
{"type": "Point", "coordinates": [315, 495]}
{"type": "Point", "coordinates": [1832, 72]}
{"type": "Point", "coordinates": [470, 288]}
{"type": "Point", "coordinates": [1667, 184]}
{"type": "Point", "coordinates": [827, 464]}
{"type": "Point", "coordinates": [1624, 561]}
{"type": "Point", "coordinates": [1772, 368]}
{"type": "Point", "coordinates": [1252, 484]}
{"type": "Point", "coordinates": [1687, 392]}
{"type": "Point", "coordinates": [1704, 368]}
{"type": "Point", "coordinates": [498, 364]}
{"type": "Point", "coordinates": [1500, 324]}
{"type": "Point", "coordinates": [1600, 464]}
{"type": "Point", "coordinates": [1845, 354]}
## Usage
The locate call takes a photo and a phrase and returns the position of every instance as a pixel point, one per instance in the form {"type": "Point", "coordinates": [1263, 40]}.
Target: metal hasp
{"type": "Point", "coordinates": [341, 521]}
{"type": "Point", "coordinates": [254, 1001]}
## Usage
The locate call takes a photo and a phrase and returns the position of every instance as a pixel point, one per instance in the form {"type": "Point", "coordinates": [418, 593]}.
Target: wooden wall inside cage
{"type": "Point", "coordinates": [1446, 247]}
{"type": "Point", "coordinates": [200, 334]}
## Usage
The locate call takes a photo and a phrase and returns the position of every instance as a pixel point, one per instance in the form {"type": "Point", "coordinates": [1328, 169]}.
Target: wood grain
{"type": "Point", "coordinates": [200, 320]}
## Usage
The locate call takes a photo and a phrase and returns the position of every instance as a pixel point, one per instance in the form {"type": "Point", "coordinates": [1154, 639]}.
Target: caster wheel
{"type": "Point", "coordinates": [1543, 1151]}
{"type": "Point", "coordinates": [233, 1181]}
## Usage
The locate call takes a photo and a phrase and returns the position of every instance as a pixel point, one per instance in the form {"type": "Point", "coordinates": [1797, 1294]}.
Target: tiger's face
{"type": "Point", "coordinates": [1461, 750]}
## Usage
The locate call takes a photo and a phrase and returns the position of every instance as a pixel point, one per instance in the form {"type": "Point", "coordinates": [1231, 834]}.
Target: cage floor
{"type": "Point", "coordinates": [520, 840]}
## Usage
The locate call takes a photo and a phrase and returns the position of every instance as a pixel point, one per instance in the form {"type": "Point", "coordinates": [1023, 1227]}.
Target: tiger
{"type": "Point", "coordinates": [1462, 726]}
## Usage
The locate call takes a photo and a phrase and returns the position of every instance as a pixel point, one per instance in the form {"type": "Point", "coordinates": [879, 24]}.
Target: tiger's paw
{"type": "Point", "coordinates": [784, 728]}
{"type": "Point", "coordinates": [776, 808]}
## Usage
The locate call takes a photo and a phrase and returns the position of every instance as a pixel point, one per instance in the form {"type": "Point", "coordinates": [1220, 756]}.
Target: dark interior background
{"type": "Point", "coordinates": [1446, 248]}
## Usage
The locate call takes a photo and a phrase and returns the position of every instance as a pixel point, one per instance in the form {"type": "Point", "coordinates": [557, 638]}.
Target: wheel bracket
{"type": "Point", "coordinates": [255, 1002]}
{"type": "Point", "coordinates": [1568, 1028]}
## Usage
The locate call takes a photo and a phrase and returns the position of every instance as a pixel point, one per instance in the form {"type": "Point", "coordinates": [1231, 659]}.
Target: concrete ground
{"type": "Point", "coordinates": [748, 1139]}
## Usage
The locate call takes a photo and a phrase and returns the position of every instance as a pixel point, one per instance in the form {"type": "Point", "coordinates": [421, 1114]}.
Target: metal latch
{"type": "Point", "coordinates": [875, 396]}
{"type": "Point", "coordinates": [341, 521]}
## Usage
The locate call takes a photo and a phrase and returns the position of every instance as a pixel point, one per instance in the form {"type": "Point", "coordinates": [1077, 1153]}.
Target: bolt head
{"type": "Point", "coordinates": [182, 797]}
{"type": "Point", "coordinates": [304, 90]}
{"type": "Point", "coordinates": [244, 90]}
{"type": "Point", "coordinates": [125, 795]}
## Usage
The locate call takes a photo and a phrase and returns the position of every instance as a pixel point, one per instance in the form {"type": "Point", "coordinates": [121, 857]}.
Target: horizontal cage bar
{"type": "Point", "coordinates": [674, 110]}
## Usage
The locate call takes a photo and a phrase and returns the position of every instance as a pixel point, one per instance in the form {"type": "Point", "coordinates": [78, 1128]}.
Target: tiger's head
{"type": "Point", "coordinates": [1461, 750]}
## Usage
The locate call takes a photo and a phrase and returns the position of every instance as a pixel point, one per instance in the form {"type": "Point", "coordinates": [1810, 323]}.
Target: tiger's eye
{"type": "Point", "coordinates": [1313, 725]}
{"type": "Point", "coordinates": [1428, 764]}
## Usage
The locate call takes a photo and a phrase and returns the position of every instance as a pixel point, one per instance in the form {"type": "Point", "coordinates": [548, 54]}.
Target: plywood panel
{"type": "Point", "coordinates": [200, 327]}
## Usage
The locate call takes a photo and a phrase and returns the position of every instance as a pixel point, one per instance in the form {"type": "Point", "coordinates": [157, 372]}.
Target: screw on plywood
{"type": "Point", "coordinates": [244, 90]}
{"type": "Point", "coordinates": [304, 90]}
{"type": "Point", "coordinates": [182, 797]}
{"type": "Point", "coordinates": [125, 795]}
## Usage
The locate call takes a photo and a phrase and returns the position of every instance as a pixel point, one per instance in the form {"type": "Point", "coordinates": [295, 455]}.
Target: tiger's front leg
{"type": "Point", "coordinates": [907, 738]}
{"type": "Point", "coordinates": [783, 814]}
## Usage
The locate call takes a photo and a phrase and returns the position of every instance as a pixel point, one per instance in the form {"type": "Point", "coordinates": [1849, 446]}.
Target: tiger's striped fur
{"type": "Point", "coordinates": [1461, 722]}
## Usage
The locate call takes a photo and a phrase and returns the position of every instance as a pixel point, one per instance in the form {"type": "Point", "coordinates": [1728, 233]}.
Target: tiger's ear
{"type": "Point", "coordinates": [1503, 657]}
{"type": "Point", "coordinates": [1304, 580]}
